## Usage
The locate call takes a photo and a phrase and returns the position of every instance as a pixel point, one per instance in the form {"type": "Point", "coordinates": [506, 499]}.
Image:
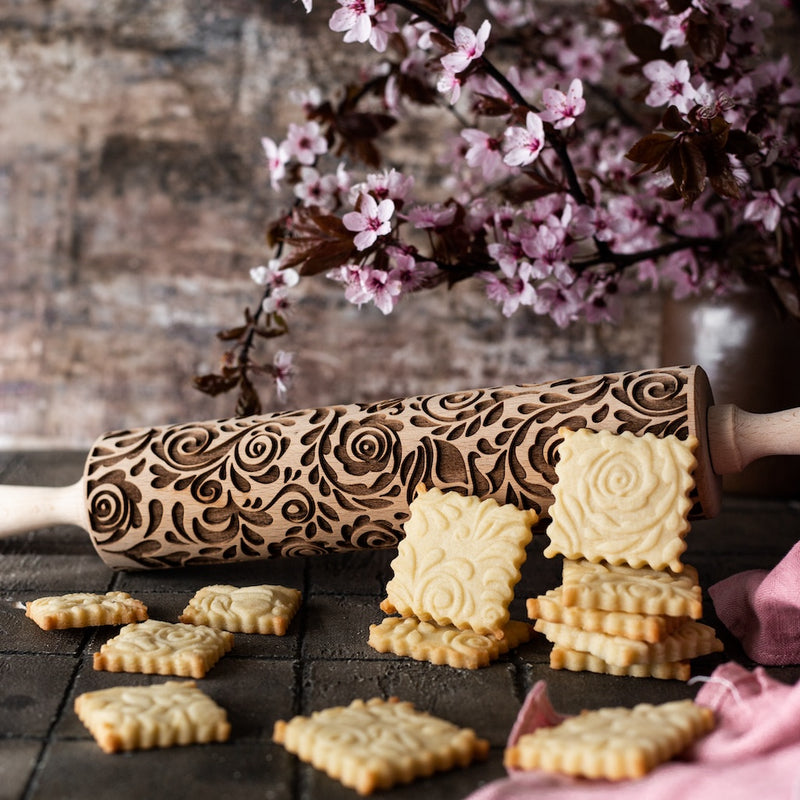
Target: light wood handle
{"type": "Point", "coordinates": [25, 508]}
{"type": "Point", "coordinates": [736, 438]}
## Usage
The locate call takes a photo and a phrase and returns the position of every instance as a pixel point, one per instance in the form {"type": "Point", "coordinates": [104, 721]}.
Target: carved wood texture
{"type": "Point", "coordinates": [342, 477]}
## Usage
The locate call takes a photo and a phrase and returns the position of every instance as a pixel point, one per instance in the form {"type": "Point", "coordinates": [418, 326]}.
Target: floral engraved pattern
{"type": "Point", "coordinates": [343, 477]}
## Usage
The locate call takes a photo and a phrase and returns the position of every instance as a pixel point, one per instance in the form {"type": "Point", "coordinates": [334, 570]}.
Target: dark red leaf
{"type": "Point", "coordinates": [644, 42]}
{"type": "Point", "coordinates": [706, 36]}
{"type": "Point", "coordinates": [651, 150]}
{"type": "Point", "coordinates": [248, 403]}
{"type": "Point", "coordinates": [215, 384]}
{"type": "Point", "coordinates": [688, 170]}
{"type": "Point", "coordinates": [673, 121]}
{"type": "Point", "coordinates": [231, 334]}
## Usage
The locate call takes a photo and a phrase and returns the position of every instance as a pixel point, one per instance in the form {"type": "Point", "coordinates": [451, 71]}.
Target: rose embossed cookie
{"type": "Point", "coordinates": [621, 498]}
{"type": "Point", "coordinates": [85, 609]}
{"type": "Point", "coordinates": [247, 609]}
{"type": "Point", "coordinates": [164, 648]}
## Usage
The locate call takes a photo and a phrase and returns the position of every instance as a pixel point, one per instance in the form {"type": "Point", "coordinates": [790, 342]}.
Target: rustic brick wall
{"type": "Point", "coordinates": [133, 199]}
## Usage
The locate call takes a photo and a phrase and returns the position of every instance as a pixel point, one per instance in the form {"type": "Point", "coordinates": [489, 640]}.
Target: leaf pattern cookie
{"type": "Point", "coordinates": [459, 561]}
{"type": "Point", "coordinates": [124, 718]}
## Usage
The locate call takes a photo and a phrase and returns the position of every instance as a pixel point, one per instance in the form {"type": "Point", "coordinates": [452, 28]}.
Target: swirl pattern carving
{"type": "Point", "coordinates": [342, 477]}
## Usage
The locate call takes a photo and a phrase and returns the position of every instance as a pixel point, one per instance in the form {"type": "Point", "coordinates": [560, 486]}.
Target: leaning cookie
{"type": "Point", "coordinates": [85, 609]}
{"type": "Point", "coordinates": [247, 609]}
{"type": "Point", "coordinates": [445, 644]}
{"type": "Point", "coordinates": [376, 744]}
{"type": "Point", "coordinates": [126, 718]}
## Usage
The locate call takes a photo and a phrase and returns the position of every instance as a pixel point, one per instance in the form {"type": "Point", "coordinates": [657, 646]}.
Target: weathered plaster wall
{"type": "Point", "coordinates": [133, 199]}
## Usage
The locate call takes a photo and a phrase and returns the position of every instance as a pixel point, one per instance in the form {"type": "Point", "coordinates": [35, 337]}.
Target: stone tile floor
{"type": "Point", "coordinates": [45, 752]}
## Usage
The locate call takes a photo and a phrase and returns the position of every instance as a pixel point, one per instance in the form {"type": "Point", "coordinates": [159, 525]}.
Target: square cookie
{"type": "Point", "coordinates": [459, 561]}
{"type": "Point", "coordinates": [246, 609]}
{"type": "Point", "coordinates": [444, 644]}
{"type": "Point", "coordinates": [164, 648]}
{"type": "Point", "coordinates": [622, 498]}
{"type": "Point", "coordinates": [143, 717]}
{"type": "Point", "coordinates": [376, 744]}
{"type": "Point", "coordinates": [85, 609]}
{"type": "Point", "coordinates": [613, 743]}
{"type": "Point", "coordinates": [636, 591]}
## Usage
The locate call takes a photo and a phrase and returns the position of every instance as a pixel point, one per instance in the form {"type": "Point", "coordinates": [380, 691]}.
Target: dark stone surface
{"type": "Point", "coordinates": [47, 754]}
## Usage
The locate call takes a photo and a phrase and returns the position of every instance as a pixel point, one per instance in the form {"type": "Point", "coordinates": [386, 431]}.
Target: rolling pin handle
{"type": "Point", "coordinates": [27, 508]}
{"type": "Point", "coordinates": [736, 437]}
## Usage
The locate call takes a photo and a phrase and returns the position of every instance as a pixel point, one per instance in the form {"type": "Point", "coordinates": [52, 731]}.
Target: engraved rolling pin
{"type": "Point", "coordinates": [342, 477]}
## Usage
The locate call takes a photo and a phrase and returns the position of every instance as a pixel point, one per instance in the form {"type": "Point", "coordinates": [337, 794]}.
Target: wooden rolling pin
{"type": "Point", "coordinates": [342, 477]}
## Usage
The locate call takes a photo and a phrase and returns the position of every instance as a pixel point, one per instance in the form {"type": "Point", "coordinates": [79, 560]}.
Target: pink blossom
{"type": "Point", "coordinates": [469, 46]}
{"type": "Point", "coordinates": [316, 190]}
{"type": "Point", "coordinates": [381, 288]}
{"type": "Point", "coordinates": [484, 151]}
{"type": "Point", "coordinates": [276, 303]}
{"type": "Point", "coordinates": [412, 274]}
{"type": "Point", "coordinates": [277, 159]}
{"type": "Point", "coordinates": [274, 276]}
{"type": "Point", "coordinates": [561, 303]}
{"type": "Point", "coordinates": [510, 293]}
{"type": "Point", "coordinates": [306, 142]}
{"type": "Point", "coordinates": [383, 23]}
{"type": "Point", "coordinates": [523, 145]}
{"type": "Point", "coordinates": [562, 109]}
{"type": "Point", "coordinates": [450, 84]}
{"type": "Point", "coordinates": [365, 284]}
{"type": "Point", "coordinates": [389, 183]}
{"type": "Point", "coordinates": [581, 54]}
{"type": "Point", "coordinates": [431, 216]}
{"type": "Point", "coordinates": [766, 207]}
{"type": "Point", "coordinates": [670, 84]}
{"type": "Point", "coordinates": [372, 221]}
{"type": "Point", "coordinates": [510, 257]}
{"type": "Point", "coordinates": [283, 372]}
{"type": "Point", "coordinates": [354, 18]}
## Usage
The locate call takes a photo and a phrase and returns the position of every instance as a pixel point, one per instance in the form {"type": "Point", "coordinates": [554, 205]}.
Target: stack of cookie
{"type": "Point", "coordinates": [627, 605]}
{"type": "Point", "coordinates": [454, 578]}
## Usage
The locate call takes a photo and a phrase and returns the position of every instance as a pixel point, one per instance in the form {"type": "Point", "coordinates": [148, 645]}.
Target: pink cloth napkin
{"type": "Point", "coordinates": [762, 609]}
{"type": "Point", "coordinates": [753, 751]}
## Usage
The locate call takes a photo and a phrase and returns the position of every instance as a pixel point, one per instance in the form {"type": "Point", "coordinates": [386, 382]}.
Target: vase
{"type": "Point", "coordinates": [750, 349]}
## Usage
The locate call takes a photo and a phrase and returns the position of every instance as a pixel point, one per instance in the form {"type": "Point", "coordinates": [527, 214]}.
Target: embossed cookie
{"type": "Point", "coordinates": [459, 561]}
{"type": "Point", "coordinates": [143, 717]}
{"type": "Point", "coordinates": [636, 591]}
{"type": "Point", "coordinates": [85, 609]}
{"type": "Point", "coordinates": [164, 648]}
{"type": "Point", "coordinates": [444, 644]}
{"type": "Point", "coordinates": [642, 627]}
{"type": "Point", "coordinates": [247, 609]}
{"type": "Point", "coordinates": [376, 744]}
{"type": "Point", "coordinates": [691, 640]}
{"type": "Point", "coordinates": [621, 498]}
{"type": "Point", "coordinates": [578, 661]}
{"type": "Point", "coordinates": [613, 743]}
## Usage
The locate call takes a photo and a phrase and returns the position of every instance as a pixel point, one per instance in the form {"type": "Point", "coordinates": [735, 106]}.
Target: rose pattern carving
{"type": "Point", "coordinates": [342, 477]}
